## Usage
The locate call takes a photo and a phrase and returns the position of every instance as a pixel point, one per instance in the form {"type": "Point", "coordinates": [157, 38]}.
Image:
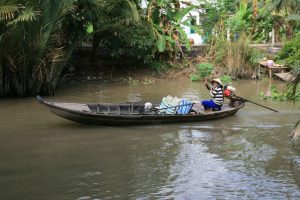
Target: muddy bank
{"type": "Point", "coordinates": [89, 65]}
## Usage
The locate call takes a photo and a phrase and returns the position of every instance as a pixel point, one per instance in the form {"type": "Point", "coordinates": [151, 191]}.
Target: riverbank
{"type": "Point", "coordinates": [97, 65]}
{"type": "Point", "coordinates": [89, 64]}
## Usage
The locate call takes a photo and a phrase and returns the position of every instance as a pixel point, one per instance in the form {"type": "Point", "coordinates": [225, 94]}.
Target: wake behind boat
{"type": "Point", "coordinates": [128, 113]}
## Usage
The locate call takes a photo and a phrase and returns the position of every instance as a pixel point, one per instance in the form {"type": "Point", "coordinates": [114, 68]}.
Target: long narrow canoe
{"type": "Point", "coordinates": [126, 113]}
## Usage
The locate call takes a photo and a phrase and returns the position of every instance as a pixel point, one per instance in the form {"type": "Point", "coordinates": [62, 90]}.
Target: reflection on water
{"type": "Point", "coordinates": [247, 155]}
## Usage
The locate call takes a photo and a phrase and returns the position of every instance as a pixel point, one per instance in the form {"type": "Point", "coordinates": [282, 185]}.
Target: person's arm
{"type": "Point", "coordinates": [207, 85]}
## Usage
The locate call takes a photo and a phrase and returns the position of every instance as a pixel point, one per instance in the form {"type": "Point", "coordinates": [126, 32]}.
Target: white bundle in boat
{"type": "Point", "coordinates": [173, 105]}
{"type": "Point", "coordinates": [168, 105]}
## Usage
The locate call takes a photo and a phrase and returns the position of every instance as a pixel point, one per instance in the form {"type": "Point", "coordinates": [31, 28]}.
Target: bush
{"type": "Point", "coordinates": [135, 42]}
{"type": "Point", "coordinates": [158, 66]}
{"type": "Point", "coordinates": [237, 56]}
{"type": "Point", "coordinates": [204, 69]}
{"type": "Point", "coordinates": [290, 55]}
{"type": "Point", "coordinates": [194, 77]}
{"type": "Point", "coordinates": [226, 79]}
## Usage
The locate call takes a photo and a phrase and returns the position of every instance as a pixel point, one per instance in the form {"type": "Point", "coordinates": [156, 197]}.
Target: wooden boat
{"type": "Point", "coordinates": [126, 113]}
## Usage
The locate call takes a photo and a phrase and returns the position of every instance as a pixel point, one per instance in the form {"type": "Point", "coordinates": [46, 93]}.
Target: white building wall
{"type": "Point", "coordinates": [195, 14]}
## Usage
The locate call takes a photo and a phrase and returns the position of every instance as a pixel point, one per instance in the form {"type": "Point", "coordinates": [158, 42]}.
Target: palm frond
{"type": "Point", "coordinates": [179, 16]}
{"type": "Point", "coordinates": [26, 16]}
{"type": "Point", "coordinates": [37, 29]}
{"type": "Point", "coordinates": [8, 12]}
{"type": "Point", "coordinates": [119, 9]}
{"type": "Point", "coordinates": [133, 11]}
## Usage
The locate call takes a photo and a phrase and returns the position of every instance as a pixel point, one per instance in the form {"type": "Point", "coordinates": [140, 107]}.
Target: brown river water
{"type": "Point", "coordinates": [245, 156]}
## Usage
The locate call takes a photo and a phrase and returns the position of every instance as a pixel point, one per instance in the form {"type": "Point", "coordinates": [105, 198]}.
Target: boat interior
{"type": "Point", "coordinates": [120, 109]}
{"type": "Point", "coordinates": [137, 109]}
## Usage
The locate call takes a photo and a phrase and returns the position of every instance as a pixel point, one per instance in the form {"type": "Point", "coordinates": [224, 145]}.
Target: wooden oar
{"type": "Point", "coordinates": [295, 133]}
{"type": "Point", "coordinates": [178, 106]}
{"type": "Point", "coordinates": [247, 100]}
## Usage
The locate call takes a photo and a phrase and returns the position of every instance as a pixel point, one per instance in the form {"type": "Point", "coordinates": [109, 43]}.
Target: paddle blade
{"type": "Point", "coordinates": [295, 133]}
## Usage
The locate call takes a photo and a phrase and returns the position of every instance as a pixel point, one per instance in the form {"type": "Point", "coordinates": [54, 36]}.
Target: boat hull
{"type": "Point", "coordinates": [84, 117]}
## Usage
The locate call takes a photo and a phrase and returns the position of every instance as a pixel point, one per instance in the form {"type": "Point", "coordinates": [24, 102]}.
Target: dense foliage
{"type": "Point", "coordinates": [203, 70]}
{"type": "Point", "coordinates": [230, 26]}
{"type": "Point", "coordinates": [290, 55]}
{"type": "Point", "coordinates": [33, 51]}
{"type": "Point", "coordinates": [255, 17]}
{"type": "Point", "coordinates": [37, 38]}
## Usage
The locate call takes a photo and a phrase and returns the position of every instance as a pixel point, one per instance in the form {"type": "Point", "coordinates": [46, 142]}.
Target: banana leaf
{"type": "Point", "coordinates": [161, 43]}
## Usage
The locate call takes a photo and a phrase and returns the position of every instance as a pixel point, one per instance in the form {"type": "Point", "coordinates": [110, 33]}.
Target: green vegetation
{"type": "Point", "coordinates": [236, 56]}
{"type": "Point", "coordinates": [273, 94]}
{"type": "Point", "coordinates": [231, 25]}
{"type": "Point", "coordinates": [195, 77]}
{"type": "Point", "coordinates": [166, 19]}
{"type": "Point", "coordinates": [38, 38]}
{"type": "Point", "coordinates": [286, 95]}
{"type": "Point", "coordinates": [134, 82]}
{"type": "Point", "coordinates": [290, 55]}
{"type": "Point", "coordinates": [203, 70]}
{"type": "Point", "coordinates": [226, 79]}
{"type": "Point", "coordinates": [159, 66]}
{"type": "Point", "coordinates": [254, 17]}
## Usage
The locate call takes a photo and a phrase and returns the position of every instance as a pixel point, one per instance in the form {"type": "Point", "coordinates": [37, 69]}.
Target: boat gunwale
{"type": "Point", "coordinates": [130, 115]}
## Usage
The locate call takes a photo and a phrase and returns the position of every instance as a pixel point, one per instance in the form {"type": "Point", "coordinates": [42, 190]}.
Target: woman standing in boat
{"type": "Point", "coordinates": [216, 92]}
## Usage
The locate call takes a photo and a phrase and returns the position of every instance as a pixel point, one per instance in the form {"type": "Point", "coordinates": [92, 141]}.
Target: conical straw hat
{"type": "Point", "coordinates": [217, 80]}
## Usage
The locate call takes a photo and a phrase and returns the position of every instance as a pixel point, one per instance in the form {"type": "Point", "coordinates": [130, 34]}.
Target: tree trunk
{"type": "Point", "coordinates": [277, 36]}
{"type": "Point", "coordinates": [273, 37]}
{"type": "Point", "coordinates": [149, 10]}
{"type": "Point", "coordinates": [255, 8]}
{"type": "Point", "coordinates": [254, 15]}
{"type": "Point", "coordinates": [177, 5]}
{"type": "Point", "coordinates": [277, 24]}
{"type": "Point", "coordinates": [289, 30]}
